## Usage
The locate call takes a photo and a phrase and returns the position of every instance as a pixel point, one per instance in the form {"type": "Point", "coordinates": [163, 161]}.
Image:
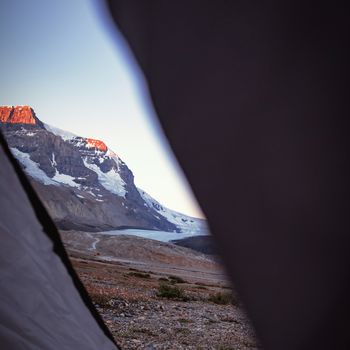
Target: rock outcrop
{"type": "Point", "coordinates": [100, 145]}
{"type": "Point", "coordinates": [17, 115]}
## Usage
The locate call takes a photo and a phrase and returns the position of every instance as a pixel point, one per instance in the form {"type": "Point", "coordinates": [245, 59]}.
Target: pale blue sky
{"type": "Point", "coordinates": [60, 57]}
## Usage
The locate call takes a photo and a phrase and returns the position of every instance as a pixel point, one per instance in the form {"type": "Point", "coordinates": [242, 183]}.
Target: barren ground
{"type": "Point", "coordinates": [125, 276]}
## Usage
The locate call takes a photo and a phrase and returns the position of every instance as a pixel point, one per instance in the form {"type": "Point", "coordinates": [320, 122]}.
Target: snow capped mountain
{"type": "Point", "coordinates": [186, 224]}
{"type": "Point", "coordinates": [83, 183]}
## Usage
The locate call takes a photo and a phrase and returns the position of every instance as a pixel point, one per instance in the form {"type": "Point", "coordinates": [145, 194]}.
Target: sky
{"type": "Point", "coordinates": [63, 58]}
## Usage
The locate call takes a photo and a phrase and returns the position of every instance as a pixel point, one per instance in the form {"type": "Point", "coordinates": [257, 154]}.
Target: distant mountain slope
{"type": "Point", "coordinates": [183, 222]}
{"type": "Point", "coordinates": [83, 183]}
{"type": "Point", "coordinates": [203, 244]}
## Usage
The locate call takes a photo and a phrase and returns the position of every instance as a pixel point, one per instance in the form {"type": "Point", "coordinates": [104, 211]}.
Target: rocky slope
{"type": "Point", "coordinates": [83, 183]}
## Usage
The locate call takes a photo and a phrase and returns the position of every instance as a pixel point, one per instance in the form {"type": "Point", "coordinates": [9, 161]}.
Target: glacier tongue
{"type": "Point", "coordinates": [162, 236]}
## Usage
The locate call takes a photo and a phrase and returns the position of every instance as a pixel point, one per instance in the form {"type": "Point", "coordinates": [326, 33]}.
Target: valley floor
{"type": "Point", "coordinates": [155, 295]}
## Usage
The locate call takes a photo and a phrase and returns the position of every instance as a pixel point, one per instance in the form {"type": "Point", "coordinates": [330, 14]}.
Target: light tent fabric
{"type": "Point", "coordinates": [42, 303]}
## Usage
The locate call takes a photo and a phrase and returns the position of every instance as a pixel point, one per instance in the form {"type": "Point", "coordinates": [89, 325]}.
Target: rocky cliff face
{"type": "Point", "coordinates": [84, 184]}
{"type": "Point", "coordinates": [18, 114]}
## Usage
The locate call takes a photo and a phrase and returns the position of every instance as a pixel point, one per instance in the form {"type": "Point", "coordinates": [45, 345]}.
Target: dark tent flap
{"type": "Point", "coordinates": [253, 98]}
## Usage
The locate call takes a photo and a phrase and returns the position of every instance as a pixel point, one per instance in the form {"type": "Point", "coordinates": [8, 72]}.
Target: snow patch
{"type": "Point", "coordinates": [53, 162]}
{"type": "Point", "coordinates": [65, 179]}
{"type": "Point", "coordinates": [111, 180]}
{"type": "Point", "coordinates": [65, 135]}
{"type": "Point", "coordinates": [32, 168]}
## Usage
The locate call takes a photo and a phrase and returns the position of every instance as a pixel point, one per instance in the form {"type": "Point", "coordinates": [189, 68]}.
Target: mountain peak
{"type": "Point", "coordinates": [100, 145]}
{"type": "Point", "coordinates": [17, 115]}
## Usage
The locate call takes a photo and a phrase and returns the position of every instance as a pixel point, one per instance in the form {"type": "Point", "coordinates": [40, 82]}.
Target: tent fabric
{"type": "Point", "coordinates": [253, 97]}
{"type": "Point", "coordinates": [43, 305]}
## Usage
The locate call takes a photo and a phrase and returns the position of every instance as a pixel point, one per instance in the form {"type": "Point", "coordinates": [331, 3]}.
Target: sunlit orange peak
{"type": "Point", "coordinates": [17, 115]}
{"type": "Point", "coordinates": [97, 144]}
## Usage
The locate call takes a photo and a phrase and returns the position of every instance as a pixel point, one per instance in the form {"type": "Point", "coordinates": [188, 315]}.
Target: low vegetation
{"type": "Point", "coordinates": [169, 291]}
{"type": "Point", "coordinates": [222, 298]}
{"type": "Point", "coordinates": [163, 279]}
{"type": "Point", "coordinates": [139, 274]}
{"type": "Point", "coordinates": [101, 300]}
{"type": "Point", "coordinates": [204, 284]}
{"type": "Point", "coordinates": [176, 279]}
{"type": "Point", "coordinates": [185, 320]}
{"type": "Point", "coordinates": [100, 296]}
